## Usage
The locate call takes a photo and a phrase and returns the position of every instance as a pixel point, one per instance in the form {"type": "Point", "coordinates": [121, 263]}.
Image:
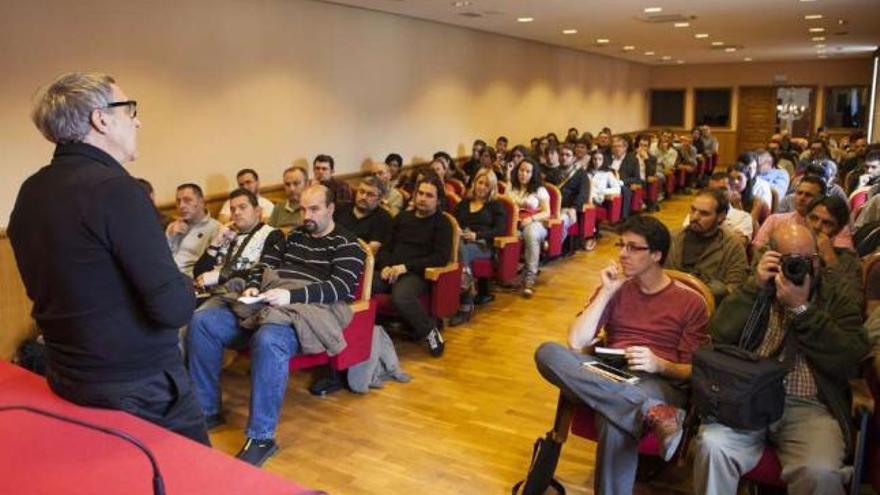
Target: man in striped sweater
{"type": "Point", "coordinates": [325, 256]}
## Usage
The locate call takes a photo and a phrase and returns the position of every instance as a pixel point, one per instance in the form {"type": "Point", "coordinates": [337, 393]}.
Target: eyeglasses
{"type": "Point", "coordinates": [131, 104]}
{"type": "Point", "coordinates": [629, 247]}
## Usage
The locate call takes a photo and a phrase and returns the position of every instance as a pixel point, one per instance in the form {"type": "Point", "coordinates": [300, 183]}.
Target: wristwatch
{"type": "Point", "coordinates": [798, 310]}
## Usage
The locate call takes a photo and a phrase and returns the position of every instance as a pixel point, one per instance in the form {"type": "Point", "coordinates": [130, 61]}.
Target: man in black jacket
{"type": "Point", "coordinates": [626, 165]}
{"type": "Point", "coordinates": [420, 238]}
{"type": "Point", "coordinates": [573, 184]}
{"type": "Point", "coordinates": [107, 294]}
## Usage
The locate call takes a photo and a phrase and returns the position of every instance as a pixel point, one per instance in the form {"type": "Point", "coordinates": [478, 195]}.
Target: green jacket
{"type": "Point", "coordinates": [829, 334]}
{"type": "Point", "coordinates": [723, 266]}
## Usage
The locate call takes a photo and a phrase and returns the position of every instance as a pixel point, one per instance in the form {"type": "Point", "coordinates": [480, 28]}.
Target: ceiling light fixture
{"type": "Point", "coordinates": [461, 3]}
{"type": "Point", "coordinates": [649, 53]}
{"type": "Point", "coordinates": [823, 56]}
{"type": "Point", "coordinates": [730, 49]}
{"type": "Point", "coordinates": [701, 35]}
{"type": "Point", "coordinates": [602, 41]}
{"type": "Point", "coordinates": [525, 19]}
{"type": "Point", "coordinates": [629, 48]}
{"type": "Point", "coordinates": [682, 24]}
{"type": "Point", "coordinates": [717, 43]}
{"type": "Point", "coordinates": [679, 62]}
{"type": "Point", "coordinates": [748, 59]}
{"type": "Point", "coordinates": [812, 17]}
{"type": "Point", "coordinates": [818, 38]}
{"type": "Point", "coordinates": [820, 45]}
{"type": "Point", "coordinates": [817, 30]}
{"type": "Point", "coordinates": [666, 57]}
{"type": "Point", "coordinates": [569, 31]}
{"type": "Point", "coordinates": [653, 10]}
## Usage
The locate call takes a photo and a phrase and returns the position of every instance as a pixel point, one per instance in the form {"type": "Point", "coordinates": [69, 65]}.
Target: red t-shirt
{"type": "Point", "coordinates": [672, 322]}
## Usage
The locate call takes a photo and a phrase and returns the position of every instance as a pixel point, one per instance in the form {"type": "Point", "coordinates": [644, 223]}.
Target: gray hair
{"type": "Point", "coordinates": [63, 110]}
{"type": "Point", "coordinates": [376, 183]}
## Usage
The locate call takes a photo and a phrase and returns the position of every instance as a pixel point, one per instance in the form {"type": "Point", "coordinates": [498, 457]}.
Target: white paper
{"type": "Point", "coordinates": [251, 299]}
{"type": "Point", "coordinates": [609, 350]}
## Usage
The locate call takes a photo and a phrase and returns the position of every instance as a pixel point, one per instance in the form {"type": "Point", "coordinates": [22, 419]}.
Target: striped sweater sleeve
{"type": "Point", "coordinates": [347, 263]}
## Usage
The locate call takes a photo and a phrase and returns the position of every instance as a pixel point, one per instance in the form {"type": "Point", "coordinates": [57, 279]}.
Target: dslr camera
{"type": "Point", "coordinates": [795, 267]}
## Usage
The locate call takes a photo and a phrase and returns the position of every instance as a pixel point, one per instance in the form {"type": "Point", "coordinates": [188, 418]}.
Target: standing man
{"type": "Point", "coordinates": [107, 294]}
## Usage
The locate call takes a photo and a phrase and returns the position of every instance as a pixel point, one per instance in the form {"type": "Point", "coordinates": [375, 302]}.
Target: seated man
{"type": "Point", "coordinates": [327, 262]}
{"type": "Point", "coordinates": [657, 339]}
{"type": "Point", "coordinates": [189, 235]}
{"type": "Point", "coordinates": [324, 166]}
{"type": "Point", "coordinates": [364, 218]}
{"type": "Point", "coordinates": [420, 238]}
{"type": "Point", "coordinates": [288, 214]}
{"type": "Point", "coordinates": [826, 217]}
{"type": "Point", "coordinates": [392, 200]}
{"type": "Point", "coordinates": [706, 249]}
{"type": "Point", "coordinates": [573, 183]}
{"type": "Point", "coordinates": [813, 435]}
{"type": "Point", "coordinates": [777, 178]}
{"type": "Point", "coordinates": [236, 249]}
{"type": "Point", "coordinates": [626, 165]}
{"type": "Point", "coordinates": [736, 220]}
{"type": "Point", "coordinates": [247, 178]}
{"type": "Point", "coordinates": [808, 188]}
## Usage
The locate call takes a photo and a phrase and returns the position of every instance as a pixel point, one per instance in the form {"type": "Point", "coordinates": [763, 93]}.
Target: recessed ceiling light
{"type": "Point", "coordinates": [602, 41]}
{"type": "Point", "coordinates": [730, 49]}
{"type": "Point", "coordinates": [820, 45]}
{"type": "Point", "coordinates": [818, 38]}
{"type": "Point", "coordinates": [748, 59]}
{"type": "Point", "coordinates": [679, 62]}
{"type": "Point", "coordinates": [461, 3]}
{"type": "Point", "coordinates": [717, 43]}
{"type": "Point", "coordinates": [701, 35]}
{"type": "Point", "coordinates": [649, 53]}
{"type": "Point", "coordinates": [525, 19]}
{"type": "Point", "coordinates": [666, 57]}
{"type": "Point", "coordinates": [682, 24]}
{"type": "Point", "coordinates": [817, 30]}
{"type": "Point", "coordinates": [653, 10]}
{"type": "Point", "coordinates": [629, 48]}
{"type": "Point", "coordinates": [569, 31]}
{"type": "Point", "coordinates": [812, 17]}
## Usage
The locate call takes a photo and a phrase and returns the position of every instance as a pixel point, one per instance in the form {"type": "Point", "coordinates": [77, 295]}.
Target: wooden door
{"type": "Point", "coordinates": [756, 116]}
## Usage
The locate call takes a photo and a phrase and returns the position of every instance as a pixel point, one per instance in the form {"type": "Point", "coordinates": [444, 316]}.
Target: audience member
{"type": "Point", "coordinates": [395, 165]}
{"type": "Point", "coordinates": [473, 165]}
{"type": "Point", "coordinates": [710, 142]}
{"type": "Point", "coordinates": [317, 270]}
{"type": "Point", "coordinates": [755, 193]}
{"type": "Point", "coordinates": [392, 200]}
{"type": "Point", "coordinates": [420, 238]}
{"type": "Point", "coordinates": [533, 202]}
{"type": "Point", "coordinates": [736, 220]}
{"type": "Point", "coordinates": [778, 179]}
{"type": "Point", "coordinates": [706, 249]}
{"type": "Point", "coordinates": [603, 180]}
{"type": "Point", "coordinates": [189, 235]}
{"type": "Point", "coordinates": [827, 216]}
{"type": "Point", "coordinates": [871, 176]}
{"type": "Point", "coordinates": [324, 167]}
{"type": "Point", "coordinates": [813, 435]}
{"type": "Point", "coordinates": [626, 166]}
{"type": "Point", "coordinates": [658, 341]}
{"type": "Point", "coordinates": [581, 154]}
{"type": "Point", "coordinates": [364, 218]}
{"type": "Point", "coordinates": [573, 183]}
{"type": "Point", "coordinates": [288, 214]}
{"type": "Point", "coordinates": [247, 178]}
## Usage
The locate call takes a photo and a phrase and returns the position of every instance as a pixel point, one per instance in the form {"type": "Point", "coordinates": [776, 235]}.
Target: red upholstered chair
{"type": "Point", "coordinates": [583, 421]}
{"type": "Point", "coordinates": [588, 220]}
{"type": "Point", "coordinates": [456, 185]}
{"type": "Point", "coordinates": [637, 201]}
{"type": "Point", "coordinates": [452, 201]}
{"type": "Point", "coordinates": [671, 183]}
{"type": "Point", "coordinates": [507, 249]}
{"type": "Point", "coordinates": [554, 223]}
{"type": "Point", "coordinates": [502, 187]}
{"type": "Point", "coordinates": [445, 281]}
{"type": "Point", "coordinates": [652, 190]}
{"type": "Point", "coordinates": [857, 201]}
{"type": "Point", "coordinates": [611, 210]}
{"type": "Point", "coordinates": [359, 332]}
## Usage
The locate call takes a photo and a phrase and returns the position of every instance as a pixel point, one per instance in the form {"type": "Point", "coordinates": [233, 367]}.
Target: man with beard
{"type": "Point", "coordinates": [365, 219]}
{"type": "Point", "coordinates": [708, 251]}
{"type": "Point", "coordinates": [328, 261]}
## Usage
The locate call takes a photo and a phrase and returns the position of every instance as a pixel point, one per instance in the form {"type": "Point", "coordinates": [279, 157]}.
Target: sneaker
{"type": "Point", "coordinates": [666, 421]}
{"type": "Point", "coordinates": [591, 244]}
{"type": "Point", "coordinates": [213, 421]}
{"type": "Point", "coordinates": [528, 287]}
{"type": "Point", "coordinates": [461, 317]}
{"type": "Point", "coordinates": [256, 452]}
{"type": "Point", "coordinates": [435, 343]}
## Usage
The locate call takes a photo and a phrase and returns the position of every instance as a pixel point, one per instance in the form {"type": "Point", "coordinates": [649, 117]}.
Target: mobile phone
{"type": "Point", "coordinates": [610, 372]}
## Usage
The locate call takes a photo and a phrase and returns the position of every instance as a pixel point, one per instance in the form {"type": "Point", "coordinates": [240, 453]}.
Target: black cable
{"type": "Point", "coordinates": [158, 482]}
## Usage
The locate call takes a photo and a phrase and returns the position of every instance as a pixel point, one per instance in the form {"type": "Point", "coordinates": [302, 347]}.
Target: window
{"type": "Point", "coordinates": [846, 106]}
{"type": "Point", "coordinates": [667, 108]}
{"type": "Point", "coordinates": [712, 107]}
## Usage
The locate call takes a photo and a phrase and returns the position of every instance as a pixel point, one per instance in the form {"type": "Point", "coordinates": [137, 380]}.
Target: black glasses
{"type": "Point", "coordinates": [131, 104]}
{"type": "Point", "coordinates": [629, 247]}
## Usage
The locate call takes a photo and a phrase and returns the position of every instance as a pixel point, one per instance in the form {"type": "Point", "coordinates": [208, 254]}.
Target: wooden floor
{"type": "Point", "coordinates": [466, 422]}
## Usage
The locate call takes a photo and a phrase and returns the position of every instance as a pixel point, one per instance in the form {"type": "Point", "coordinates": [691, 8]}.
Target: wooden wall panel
{"type": "Point", "coordinates": [15, 307]}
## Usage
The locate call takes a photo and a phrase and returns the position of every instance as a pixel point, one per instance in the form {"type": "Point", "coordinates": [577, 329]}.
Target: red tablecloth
{"type": "Point", "coordinates": [40, 455]}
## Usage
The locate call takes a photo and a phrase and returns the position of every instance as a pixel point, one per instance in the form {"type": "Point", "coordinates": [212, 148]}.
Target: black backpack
{"type": "Point", "coordinates": [867, 238]}
{"type": "Point", "coordinates": [545, 457]}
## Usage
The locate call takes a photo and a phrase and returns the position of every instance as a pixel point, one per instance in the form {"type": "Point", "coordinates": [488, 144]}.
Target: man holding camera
{"type": "Point", "coordinates": [813, 435]}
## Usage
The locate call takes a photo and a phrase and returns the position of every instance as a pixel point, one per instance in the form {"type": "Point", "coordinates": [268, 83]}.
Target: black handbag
{"type": "Point", "coordinates": [545, 457]}
{"type": "Point", "coordinates": [736, 387]}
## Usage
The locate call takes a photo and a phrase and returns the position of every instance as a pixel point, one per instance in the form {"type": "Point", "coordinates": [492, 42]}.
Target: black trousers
{"type": "Point", "coordinates": [164, 398]}
{"type": "Point", "coordinates": [405, 298]}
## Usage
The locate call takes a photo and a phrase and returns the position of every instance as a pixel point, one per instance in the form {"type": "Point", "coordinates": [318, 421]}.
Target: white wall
{"type": "Point", "coordinates": [224, 84]}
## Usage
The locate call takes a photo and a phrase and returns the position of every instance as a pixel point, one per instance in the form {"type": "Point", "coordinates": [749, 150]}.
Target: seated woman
{"type": "Point", "coordinates": [441, 168]}
{"type": "Point", "coordinates": [603, 179]}
{"type": "Point", "coordinates": [533, 201]}
{"type": "Point", "coordinates": [481, 218]}
{"type": "Point", "coordinates": [754, 192]}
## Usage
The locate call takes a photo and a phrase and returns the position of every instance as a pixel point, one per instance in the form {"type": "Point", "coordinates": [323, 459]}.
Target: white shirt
{"type": "Point", "coordinates": [265, 204]}
{"type": "Point", "coordinates": [603, 183]}
{"type": "Point", "coordinates": [188, 248]}
{"type": "Point", "coordinates": [762, 190]}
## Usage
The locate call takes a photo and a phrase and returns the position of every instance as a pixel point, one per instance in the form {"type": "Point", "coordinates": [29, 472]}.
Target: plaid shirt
{"type": "Point", "coordinates": [799, 382]}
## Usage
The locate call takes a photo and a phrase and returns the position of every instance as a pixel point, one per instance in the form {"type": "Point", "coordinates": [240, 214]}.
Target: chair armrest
{"type": "Point", "coordinates": [652, 179]}
{"type": "Point", "coordinates": [862, 400]}
{"type": "Point", "coordinates": [502, 241]}
{"type": "Point", "coordinates": [358, 306]}
{"type": "Point", "coordinates": [635, 187]}
{"type": "Point", "coordinates": [435, 272]}
{"type": "Point", "coordinates": [588, 205]}
{"type": "Point", "coordinates": [550, 222]}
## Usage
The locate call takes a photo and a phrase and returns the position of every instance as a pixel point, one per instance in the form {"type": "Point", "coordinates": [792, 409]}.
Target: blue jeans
{"type": "Point", "coordinates": [272, 345]}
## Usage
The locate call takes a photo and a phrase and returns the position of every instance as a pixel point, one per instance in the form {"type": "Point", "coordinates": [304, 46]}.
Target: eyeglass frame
{"type": "Point", "coordinates": [132, 104]}
{"type": "Point", "coordinates": [630, 247]}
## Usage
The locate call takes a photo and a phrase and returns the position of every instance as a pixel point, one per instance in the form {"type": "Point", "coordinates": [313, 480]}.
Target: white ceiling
{"type": "Point", "coordinates": [762, 30]}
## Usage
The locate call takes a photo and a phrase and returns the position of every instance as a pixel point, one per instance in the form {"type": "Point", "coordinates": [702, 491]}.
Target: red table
{"type": "Point", "coordinates": [40, 455]}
